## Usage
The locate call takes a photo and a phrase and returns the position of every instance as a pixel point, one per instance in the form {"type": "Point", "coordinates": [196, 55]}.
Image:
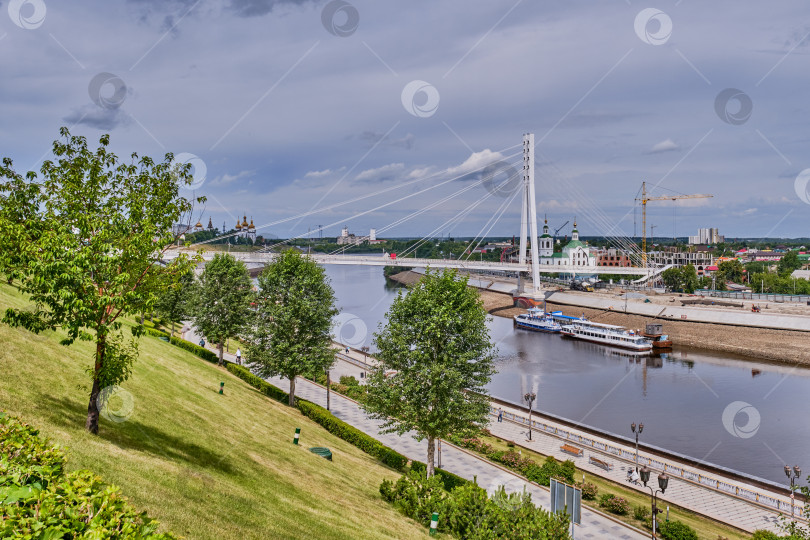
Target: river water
{"type": "Point", "coordinates": [734, 412]}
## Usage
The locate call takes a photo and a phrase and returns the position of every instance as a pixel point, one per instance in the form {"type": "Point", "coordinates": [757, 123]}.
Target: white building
{"type": "Point", "coordinates": [574, 253]}
{"type": "Point", "coordinates": [707, 236]}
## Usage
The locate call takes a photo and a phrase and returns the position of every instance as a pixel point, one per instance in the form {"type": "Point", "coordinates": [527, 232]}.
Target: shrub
{"type": "Point", "coordinates": [351, 434]}
{"type": "Point", "coordinates": [675, 530]}
{"type": "Point", "coordinates": [641, 512]}
{"type": "Point", "coordinates": [258, 383]}
{"type": "Point", "coordinates": [417, 496]}
{"type": "Point", "coordinates": [193, 348]}
{"type": "Point", "coordinates": [154, 332]}
{"type": "Point", "coordinates": [589, 490]}
{"type": "Point", "coordinates": [614, 504]}
{"type": "Point", "coordinates": [449, 480]}
{"type": "Point", "coordinates": [764, 535]}
{"type": "Point", "coordinates": [39, 501]}
{"type": "Point", "coordinates": [349, 381]}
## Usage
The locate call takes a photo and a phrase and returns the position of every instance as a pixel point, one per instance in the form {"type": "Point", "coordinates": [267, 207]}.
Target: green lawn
{"type": "Point", "coordinates": [205, 465]}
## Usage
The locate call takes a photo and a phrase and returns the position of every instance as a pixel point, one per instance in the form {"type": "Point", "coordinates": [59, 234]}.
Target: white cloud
{"type": "Point", "coordinates": [380, 174]}
{"type": "Point", "coordinates": [476, 161]}
{"type": "Point", "coordinates": [226, 178]}
{"type": "Point", "coordinates": [667, 145]}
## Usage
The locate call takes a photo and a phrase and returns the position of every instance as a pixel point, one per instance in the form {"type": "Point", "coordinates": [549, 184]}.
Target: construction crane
{"type": "Point", "coordinates": [644, 200]}
{"type": "Point", "coordinates": [557, 230]}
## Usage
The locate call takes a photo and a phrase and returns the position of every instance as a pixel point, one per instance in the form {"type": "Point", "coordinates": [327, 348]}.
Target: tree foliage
{"type": "Point", "coordinates": [222, 300]}
{"type": "Point", "coordinates": [733, 271]}
{"type": "Point", "coordinates": [84, 238]}
{"type": "Point", "coordinates": [175, 303]}
{"type": "Point", "coordinates": [682, 279]}
{"type": "Point", "coordinates": [437, 343]}
{"type": "Point", "coordinates": [788, 263]}
{"type": "Point", "coordinates": [290, 329]}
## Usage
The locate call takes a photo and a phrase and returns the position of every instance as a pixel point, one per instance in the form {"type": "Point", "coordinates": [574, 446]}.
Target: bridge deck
{"type": "Point", "coordinates": [470, 264]}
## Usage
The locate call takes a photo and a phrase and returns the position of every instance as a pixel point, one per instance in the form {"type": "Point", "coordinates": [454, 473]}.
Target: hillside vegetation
{"type": "Point", "coordinates": [205, 465]}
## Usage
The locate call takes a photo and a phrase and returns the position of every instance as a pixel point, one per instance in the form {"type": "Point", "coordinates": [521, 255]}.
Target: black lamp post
{"type": "Point", "coordinates": [797, 472]}
{"type": "Point", "coordinates": [530, 397]}
{"type": "Point", "coordinates": [663, 480]}
{"type": "Point", "coordinates": [328, 384]}
{"type": "Point", "coordinates": [640, 429]}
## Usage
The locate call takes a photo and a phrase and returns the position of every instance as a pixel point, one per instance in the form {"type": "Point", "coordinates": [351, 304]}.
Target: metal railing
{"type": "Point", "coordinates": [708, 481]}
{"type": "Point", "coordinates": [761, 297]}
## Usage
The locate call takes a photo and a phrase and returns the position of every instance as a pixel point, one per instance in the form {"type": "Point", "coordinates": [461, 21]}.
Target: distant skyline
{"type": "Point", "coordinates": [288, 107]}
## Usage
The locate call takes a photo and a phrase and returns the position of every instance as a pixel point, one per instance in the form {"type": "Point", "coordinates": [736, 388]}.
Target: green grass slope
{"type": "Point", "coordinates": [205, 465]}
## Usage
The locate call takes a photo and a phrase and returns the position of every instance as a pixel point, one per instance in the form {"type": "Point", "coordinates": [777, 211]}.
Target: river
{"type": "Point", "coordinates": [731, 411]}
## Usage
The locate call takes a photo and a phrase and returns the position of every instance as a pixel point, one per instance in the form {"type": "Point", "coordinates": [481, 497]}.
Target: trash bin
{"type": "Point", "coordinates": [321, 451]}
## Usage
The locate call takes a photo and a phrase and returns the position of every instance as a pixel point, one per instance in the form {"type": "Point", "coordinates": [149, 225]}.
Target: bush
{"type": "Point", "coordinates": [193, 348]}
{"type": "Point", "coordinates": [154, 332]}
{"type": "Point", "coordinates": [641, 512]}
{"type": "Point", "coordinates": [449, 480]}
{"type": "Point", "coordinates": [467, 511]}
{"type": "Point", "coordinates": [614, 504]}
{"type": "Point", "coordinates": [258, 383]}
{"type": "Point", "coordinates": [675, 530]}
{"type": "Point", "coordinates": [764, 535]}
{"type": "Point", "coordinates": [349, 381]}
{"type": "Point", "coordinates": [351, 434]}
{"type": "Point", "coordinates": [589, 490]}
{"type": "Point", "coordinates": [39, 501]}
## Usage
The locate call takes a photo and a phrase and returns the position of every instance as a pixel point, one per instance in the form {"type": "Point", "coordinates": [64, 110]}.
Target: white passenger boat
{"type": "Point", "coordinates": [607, 334]}
{"type": "Point", "coordinates": [537, 320]}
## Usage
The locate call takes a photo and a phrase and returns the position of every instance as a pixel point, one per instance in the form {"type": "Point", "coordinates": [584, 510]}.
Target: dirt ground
{"type": "Point", "coordinates": [780, 346]}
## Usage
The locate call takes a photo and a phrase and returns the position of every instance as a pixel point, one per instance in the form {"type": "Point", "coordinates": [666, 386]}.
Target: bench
{"type": "Point", "coordinates": [601, 463]}
{"type": "Point", "coordinates": [573, 450]}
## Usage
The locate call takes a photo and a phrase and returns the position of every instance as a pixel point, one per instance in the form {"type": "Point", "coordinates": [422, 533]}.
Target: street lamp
{"type": "Point", "coordinates": [640, 429]}
{"type": "Point", "coordinates": [797, 472]}
{"type": "Point", "coordinates": [663, 480]}
{"type": "Point", "coordinates": [328, 384]}
{"type": "Point", "coordinates": [530, 397]}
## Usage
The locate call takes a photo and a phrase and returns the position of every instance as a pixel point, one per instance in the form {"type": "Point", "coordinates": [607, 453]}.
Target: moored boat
{"type": "Point", "coordinates": [654, 332]}
{"type": "Point", "coordinates": [537, 320]}
{"type": "Point", "coordinates": [607, 334]}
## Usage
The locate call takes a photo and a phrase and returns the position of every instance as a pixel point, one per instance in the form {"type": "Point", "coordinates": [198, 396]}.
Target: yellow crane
{"type": "Point", "coordinates": [644, 200]}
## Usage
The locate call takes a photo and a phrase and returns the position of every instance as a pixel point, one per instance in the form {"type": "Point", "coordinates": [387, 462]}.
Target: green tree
{"type": "Point", "coordinates": [174, 303]}
{"type": "Point", "coordinates": [290, 331]}
{"type": "Point", "coordinates": [683, 279]}
{"type": "Point", "coordinates": [222, 301]}
{"type": "Point", "coordinates": [437, 343]}
{"type": "Point", "coordinates": [788, 263]}
{"type": "Point", "coordinates": [85, 239]}
{"type": "Point", "coordinates": [731, 271]}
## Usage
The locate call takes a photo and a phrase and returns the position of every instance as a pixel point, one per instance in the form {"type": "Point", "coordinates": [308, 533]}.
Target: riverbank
{"type": "Point", "coordinates": [770, 345]}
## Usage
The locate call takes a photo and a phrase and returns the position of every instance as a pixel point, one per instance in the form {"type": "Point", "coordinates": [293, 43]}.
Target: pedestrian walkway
{"type": "Point", "coordinates": [595, 525]}
{"type": "Point", "coordinates": [710, 503]}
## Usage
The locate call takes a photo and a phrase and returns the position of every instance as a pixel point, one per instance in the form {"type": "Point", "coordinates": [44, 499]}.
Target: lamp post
{"type": "Point", "coordinates": [663, 480]}
{"type": "Point", "coordinates": [328, 384]}
{"type": "Point", "coordinates": [797, 472]}
{"type": "Point", "coordinates": [640, 429]}
{"type": "Point", "coordinates": [530, 397]}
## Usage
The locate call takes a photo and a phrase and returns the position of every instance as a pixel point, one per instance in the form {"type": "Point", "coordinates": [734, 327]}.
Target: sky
{"type": "Point", "coordinates": [409, 117]}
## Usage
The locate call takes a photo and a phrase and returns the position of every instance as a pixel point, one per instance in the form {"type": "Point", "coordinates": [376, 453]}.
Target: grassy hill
{"type": "Point", "coordinates": [205, 465]}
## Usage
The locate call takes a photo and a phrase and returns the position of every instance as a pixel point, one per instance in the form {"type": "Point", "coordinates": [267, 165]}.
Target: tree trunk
{"type": "Point", "coordinates": [91, 424]}
{"type": "Point", "coordinates": [172, 333]}
{"type": "Point", "coordinates": [431, 448]}
{"type": "Point", "coordinates": [292, 391]}
{"type": "Point", "coordinates": [221, 351]}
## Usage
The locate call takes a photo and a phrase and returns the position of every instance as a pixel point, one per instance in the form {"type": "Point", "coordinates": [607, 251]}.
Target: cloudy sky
{"type": "Point", "coordinates": [408, 116]}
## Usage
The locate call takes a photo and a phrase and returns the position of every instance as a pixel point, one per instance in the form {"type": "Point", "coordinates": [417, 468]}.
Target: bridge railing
{"type": "Point", "coordinates": [711, 482]}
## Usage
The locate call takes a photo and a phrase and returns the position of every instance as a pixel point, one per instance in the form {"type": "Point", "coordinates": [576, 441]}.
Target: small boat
{"type": "Point", "coordinates": [654, 332]}
{"type": "Point", "coordinates": [607, 334]}
{"type": "Point", "coordinates": [537, 320]}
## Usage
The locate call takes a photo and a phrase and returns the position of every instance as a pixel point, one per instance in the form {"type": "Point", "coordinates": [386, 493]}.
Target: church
{"type": "Point", "coordinates": [574, 253]}
{"type": "Point", "coordinates": [243, 230]}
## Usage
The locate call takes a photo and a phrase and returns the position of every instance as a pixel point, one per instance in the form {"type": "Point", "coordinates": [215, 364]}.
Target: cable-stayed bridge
{"type": "Point", "coordinates": [528, 263]}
